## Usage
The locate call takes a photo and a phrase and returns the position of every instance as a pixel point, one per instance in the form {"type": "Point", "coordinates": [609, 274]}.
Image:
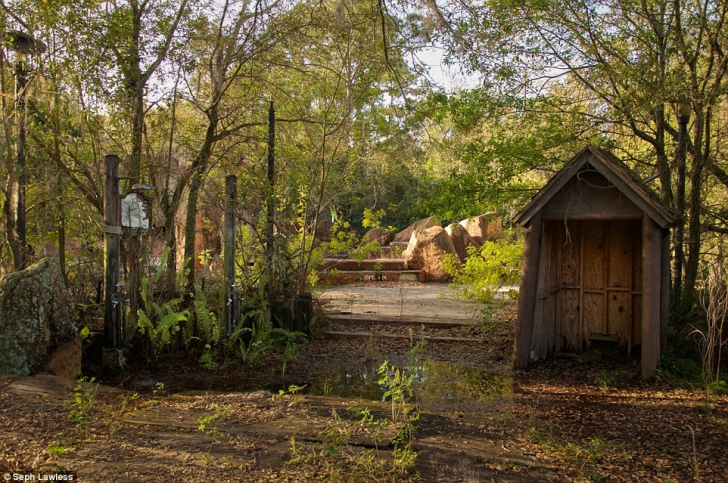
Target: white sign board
{"type": "Point", "coordinates": [135, 212]}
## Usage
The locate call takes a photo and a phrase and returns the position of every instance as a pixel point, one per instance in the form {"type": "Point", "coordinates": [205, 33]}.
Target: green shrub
{"type": "Point", "coordinates": [496, 264]}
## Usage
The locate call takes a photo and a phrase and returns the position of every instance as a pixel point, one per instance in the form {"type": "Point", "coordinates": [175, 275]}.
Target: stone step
{"type": "Point", "coordinates": [382, 252]}
{"type": "Point", "coordinates": [401, 245]}
{"type": "Point", "coordinates": [343, 277]}
{"type": "Point", "coordinates": [376, 264]}
{"type": "Point", "coordinates": [355, 320]}
{"type": "Point", "coordinates": [387, 251]}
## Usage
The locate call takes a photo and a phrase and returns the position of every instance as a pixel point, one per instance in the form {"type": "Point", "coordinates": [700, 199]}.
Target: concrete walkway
{"type": "Point", "coordinates": [411, 302]}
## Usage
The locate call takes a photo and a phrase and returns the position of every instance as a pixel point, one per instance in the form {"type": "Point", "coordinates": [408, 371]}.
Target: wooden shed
{"type": "Point", "coordinates": [596, 263]}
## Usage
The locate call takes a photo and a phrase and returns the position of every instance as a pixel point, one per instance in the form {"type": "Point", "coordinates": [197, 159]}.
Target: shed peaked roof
{"type": "Point", "coordinates": [618, 175]}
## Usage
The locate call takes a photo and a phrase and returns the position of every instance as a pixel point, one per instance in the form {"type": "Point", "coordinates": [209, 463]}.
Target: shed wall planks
{"type": "Point", "coordinates": [594, 254]}
{"type": "Point", "coordinates": [570, 254]}
{"type": "Point", "coordinates": [619, 311]}
{"type": "Point", "coordinates": [570, 318]}
{"type": "Point", "coordinates": [620, 254]}
{"type": "Point", "coordinates": [594, 311]}
{"type": "Point", "coordinates": [585, 285]}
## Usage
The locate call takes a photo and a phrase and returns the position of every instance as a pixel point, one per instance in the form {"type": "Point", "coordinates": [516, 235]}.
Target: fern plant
{"type": "Point", "coordinates": [161, 324]}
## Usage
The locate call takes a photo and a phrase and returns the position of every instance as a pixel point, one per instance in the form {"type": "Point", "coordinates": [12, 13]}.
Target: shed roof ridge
{"type": "Point", "coordinates": [617, 173]}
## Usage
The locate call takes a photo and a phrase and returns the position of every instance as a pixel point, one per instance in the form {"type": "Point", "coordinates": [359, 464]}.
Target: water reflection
{"type": "Point", "coordinates": [437, 384]}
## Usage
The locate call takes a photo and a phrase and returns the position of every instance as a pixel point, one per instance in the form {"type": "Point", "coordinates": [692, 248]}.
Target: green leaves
{"type": "Point", "coordinates": [495, 264]}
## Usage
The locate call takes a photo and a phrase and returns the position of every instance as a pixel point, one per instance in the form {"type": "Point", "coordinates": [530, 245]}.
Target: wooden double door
{"type": "Point", "coordinates": [590, 284]}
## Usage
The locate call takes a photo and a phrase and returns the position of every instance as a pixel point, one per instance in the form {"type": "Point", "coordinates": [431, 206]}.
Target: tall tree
{"type": "Point", "coordinates": [635, 58]}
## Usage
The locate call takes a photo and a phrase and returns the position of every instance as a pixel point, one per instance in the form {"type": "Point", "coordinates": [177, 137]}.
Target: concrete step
{"type": "Point", "coordinates": [376, 264]}
{"type": "Point", "coordinates": [343, 277]}
{"type": "Point", "coordinates": [363, 320]}
{"type": "Point", "coordinates": [368, 335]}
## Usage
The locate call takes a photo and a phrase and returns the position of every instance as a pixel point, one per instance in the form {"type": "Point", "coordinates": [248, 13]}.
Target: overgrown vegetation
{"type": "Point", "coordinates": [82, 402]}
{"type": "Point", "coordinates": [496, 264]}
{"type": "Point", "coordinates": [343, 452]}
{"type": "Point", "coordinates": [711, 337]}
{"type": "Point", "coordinates": [487, 269]}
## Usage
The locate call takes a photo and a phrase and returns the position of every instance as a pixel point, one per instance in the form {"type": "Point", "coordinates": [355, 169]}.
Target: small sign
{"type": "Point", "coordinates": [135, 212]}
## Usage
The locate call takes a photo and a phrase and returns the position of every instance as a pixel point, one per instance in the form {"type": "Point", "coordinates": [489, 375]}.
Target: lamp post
{"type": "Point", "coordinates": [23, 45]}
{"type": "Point", "coordinates": [682, 110]}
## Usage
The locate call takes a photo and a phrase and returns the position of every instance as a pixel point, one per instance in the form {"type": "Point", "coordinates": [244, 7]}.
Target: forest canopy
{"type": "Point", "coordinates": [180, 92]}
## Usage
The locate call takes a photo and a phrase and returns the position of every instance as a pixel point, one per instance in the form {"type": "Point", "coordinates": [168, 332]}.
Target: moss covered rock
{"type": "Point", "coordinates": [36, 319]}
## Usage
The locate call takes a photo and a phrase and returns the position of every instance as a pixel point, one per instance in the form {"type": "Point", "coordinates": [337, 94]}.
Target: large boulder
{"type": "Point", "coordinates": [483, 227]}
{"type": "Point", "coordinates": [383, 236]}
{"type": "Point", "coordinates": [405, 235]}
{"type": "Point", "coordinates": [37, 328]}
{"type": "Point", "coordinates": [425, 252]}
{"type": "Point", "coordinates": [461, 240]}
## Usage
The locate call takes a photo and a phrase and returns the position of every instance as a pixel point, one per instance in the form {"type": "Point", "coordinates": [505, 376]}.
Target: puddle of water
{"type": "Point", "coordinates": [453, 387]}
{"type": "Point", "coordinates": [358, 382]}
{"type": "Point", "coordinates": [438, 385]}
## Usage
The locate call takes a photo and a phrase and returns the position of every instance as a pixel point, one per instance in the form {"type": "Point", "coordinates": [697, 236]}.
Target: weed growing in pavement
{"type": "Point", "coordinates": [125, 400]}
{"type": "Point", "coordinates": [326, 391]}
{"type": "Point", "coordinates": [291, 341]}
{"type": "Point", "coordinates": [159, 389]}
{"type": "Point", "coordinates": [207, 360]}
{"type": "Point", "coordinates": [398, 387]}
{"type": "Point", "coordinates": [56, 449]}
{"type": "Point", "coordinates": [83, 403]}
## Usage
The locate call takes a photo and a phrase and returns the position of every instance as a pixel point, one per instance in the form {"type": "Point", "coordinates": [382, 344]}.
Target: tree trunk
{"type": "Point", "coordinates": [692, 266]}
{"type": "Point", "coordinates": [199, 169]}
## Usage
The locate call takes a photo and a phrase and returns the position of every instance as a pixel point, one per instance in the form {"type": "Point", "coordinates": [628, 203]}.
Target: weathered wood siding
{"type": "Point", "coordinates": [590, 194]}
{"type": "Point", "coordinates": [602, 264]}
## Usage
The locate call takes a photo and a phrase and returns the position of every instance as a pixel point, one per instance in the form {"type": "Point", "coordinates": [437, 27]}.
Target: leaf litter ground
{"type": "Point", "coordinates": [560, 421]}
